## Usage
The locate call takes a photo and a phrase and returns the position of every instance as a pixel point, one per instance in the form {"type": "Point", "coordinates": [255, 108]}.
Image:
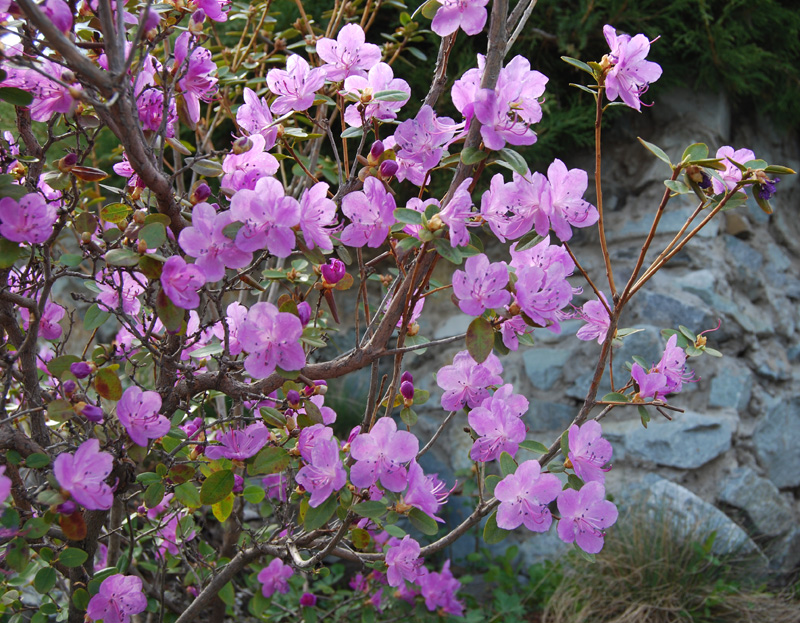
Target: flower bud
{"type": "Point", "coordinates": [139, 216]}
{"type": "Point", "coordinates": [304, 312]}
{"type": "Point", "coordinates": [196, 22]}
{"type": "Point", "coordinates": [69, 386]}
{"type": "Point", "coordinates": [242, 145]}
{"type": "Point", "coordinates": [67, 162]}
{"type": "Point", "coordinates": [238, 483]}
{"type": "Point", "coordinates": [333, 271]}
{"type": "Point", "coordinates": [90, 412]}
{"type": "Point", "coordinates": [388, 169]}
{"type": "Point", "coordinates": [366, 95]}
{"type": "Point", "coordinates": [321, 387]}
{"type": "Point", "coordinates": [82, 369]}
{"type": "Point", "coordinates": [141, 246]}
{"type": "Point", "coordinates": [375, 152]}
{"type": "Point", "coordinates": [308, 600]}
{"type": "Point", "coordinates": [151, 20]}
{"type": "Point", "coordinates": [67, 76]}
{"type": "Point", "coordinates": [67, 508]}
{"type": "Point", "coordinates": [413, 329]}
{"type": "Point", "coordinates": [407, 391]}
{"type": "Point", "coordinates": [141, 510]}
{"type": "Point", "coordinates": [293, 398]}
{"type": "Point", "coordinates": [200, 192]}
{"type": "Point", "coordinates": [406, 377]}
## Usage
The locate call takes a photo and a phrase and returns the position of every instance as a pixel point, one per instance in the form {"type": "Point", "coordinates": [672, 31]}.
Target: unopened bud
{"type": "Point", "coordinates": [435, 223]}
{"type": "Point", "coordinates": [333, 271]}
{"type": "Point", "coordinates": [388, 169]}
{"type": "Point", "coordinates": [406, 376]}
{"type": "Point", "coordinates": [67, 76]}
{"type": "Point", "coordinates": [293, 398]}
{"type": "Point", "coordinates": [90, 412]}
{"type": "Point", "coordinates": [86, 237]}
{"type": "Point", "coordinates": [141, 247]}
{"type": "Point", "coordinates": [413, 329]}
{"type": "Point", "coordinates": [82, 369]}
{"type": "Point", "coordinates": [67, 508]}
{"type": "Point", "coordinates": [67, 162]}
{"type": "Point", "coordinates": [407, 390]}
{"type": "Point", "coordinates": [69, 386]}
{"type": "Point", "coordinates": [366, 95]}
{"type": "Point", "coordinates": [200, 192]}
{"type": "Point", "coordinates": [375, 152]}
{"type": "Point", "coordinates": [242, 145]}
{"type": "Point", "coordinates": [238, 483]}
{"type": "Point", "coordinates": [304, 312]}
{"type": "Point", "coordinates": [139, 216]}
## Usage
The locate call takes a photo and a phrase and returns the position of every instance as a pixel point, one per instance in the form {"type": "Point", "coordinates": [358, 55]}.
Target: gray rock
{"type": "Point", "coordinates": [544, 365]}
{"type": "Point", "coordinates": [662, 310]}
{"type": "Point", "coordinates": [768, 512]}
{"type": "Point", "coordinates": [689, 441]}
{"type": "Point", "coordinates": [549, 416]}
{"type": "Point", "coordinates": [777, 442]}
{"type": "Point", "coordinates": [770, 362]}
{"type": "Point", "coordinates": [540, 547]}
{"type": "Point", "coordinates": [452, 325]}
{"type": "Point", "coordinates": [731, 388]}
{"type": "Point", "coordinates": [696, 518]}
{"type": "Point", "coordinates": [670, 223]}
{"type": "Point", "coordinates": [743, 253]}
{"type": "Point", "coordinates": [784, 553]}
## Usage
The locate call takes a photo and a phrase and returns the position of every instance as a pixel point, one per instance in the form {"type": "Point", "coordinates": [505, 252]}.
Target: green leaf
{"type": "Point", "coordinates": [447, 251]}
{"type": "Point", "coordinates": [515, 161]}
{"type": "Point", "coordinates": [354, 132]}
{"type": "Point", "coordinates": [207, 168]}
{"type": "Point", "coordinates": [372, 509]}
{"type": "Point", "coordinates": [188, 495]}
{"type": "Point", "coordinates": [37, 460]}
{"type": "Point", "coordinates": [578, 64]}
{"type": "Point", "coordinates": [695, 151]}
{"type": "Point", "coordinates": [319, 516]}
{"type": "Point", "coordinates": [153, 234]}
{"type": "Point", "coordinates": [677, 187]}
{"type": "Point", "coordinates": [95, 318]}
{"type": "Point", "coordinates": [168, 313]}
{"type": "Point", "coordinates": [776, 169]}
{"type": "Point", "coordinates": [644, 415]}
{"type": "Point", "coordinates": [490, 483]}
{"type": "Point", "coordinates": [223, 509]}
{"type": "Point", "coordinates": [227, 594]}
{"type": "Point", "coordinates": [507, 464]}
{"type": "Point", "coordinates": [81, 599]}
{"type": "Point", "coordinates": [615, 397]}
{"type": "Point", "coordinates": [656, 151]}
{"type": "Point", "coordinates": [59, 365]}
{"type": "Point", "coordinates": [122, 257]}
{"type": "Point", "coordinates": [688, 333]}
{"type": "Point", "coordinates": [154, 494]}
{"type": "Point", "coordinates": [421, 396]}
{"type": "Point", "coordinates": [473, 155]}
{"type": "Point", "coordinates": [17, 554]}
{"type": "Point", "coordinates": [210, 349]}
{"type": "Point", "coordinates": [712, 352]}
{"type": "Point", "coordinates": [480, 339]}
{"type": "Point", "coordinates": [217, 487]}
{"type": "Point", "coordinates": [565, 443]}
{"type": "Point", "coordinates": [9, 252]}
{"type": "Point", "coordinates": [534, 446]}
{"type": "Point", "coordinates": [107, 384]}
{"type": "Point", "coordinates": [254, 494]}
{"type": "Point", "coordinates": [492, 533]}
{"type": "Point", "coordinates": [15, 96]}
{"type": "Point", "coordinates": [422, 522]}
{"type": "Point", "coordinates": [405, 215]}
{"type": "Point", "coordinates": [391, 95]}
{"type": "Point", "coordinates": [115, 212]}
{"type": "Point", "coordinates": [429, 9]}
{"type": "Point", "coordinates": [270, 460]}
{"type": "Point", "coordinates": [72, 557]}
{"type": "Point", "coordinates": [45, 580]}
{"type": "Point", "coordinates": [35, 528]}
{"type": "Point", "coordinates": [409, 416]}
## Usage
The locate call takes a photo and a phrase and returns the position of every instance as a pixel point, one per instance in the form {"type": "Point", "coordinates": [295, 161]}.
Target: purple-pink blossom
{"type": "Point", "coordinates": [119, 597]}
{"type": "Point", "coordinates": [171, 535]}
{"type": "Point", "coordinates": [567, 206]}
{"type": "Point", "coordinates": [595, 314]}
{"type": "Point", "coordinates": [419, 144]}
{"type": "Point", "coordinates": [49, 97]}
{"type": "Point", "coordinates": [239, 444]}
{"type": "Point", "coordinates": [589, 452]}
{"type": "Point", "coordinates": [524, 496]}
{"type": "Point", "coordinates": [380, 455]}
{"type": "Point", "coordinates": [194, 68]}
{"type": "Point", "coordinates": [651, 384]}
{"type": "Point", "coordinates": [457, 215]}
{"type": "Point", "coordinates": [268, 216]}
{"type": "Point", "coordinates": [425, 491]}
{"type": "Point", "coordinates": [83, 475]}
{"type": "Point", "coordinates": [466, 381]}
{"type": "Point", "coordinates": [122, 292]}
{"type": "Point", "coordinates": [244, 170]}
{"type": "Point", "coordinates": [317, 217]}
{"type": "Point", "coordinates": [273, 340]}
{"type": "Point", "coordinates": [403, 562]}
{"type": "Point", "coordinates": [323, 473]}
{"type": "Point", "coordinates": [255, 117]}
{"type": "Point", "coordinates": [585, 515]}
{"type": "Point", "coordinates": [49, 328]}
{"type": "Point", "coordinates": [182, 282]}
{"type": "Point", "coordinates": [274, 578]}
{"type": "Point", "coordinates": [380, 78]}
{"type": "Point", "coordinates": [295, 86]}
{"type": "Point", "coordinates": [673, 366]}
{"type": "Point", "coordinates": [137, 410]}
{"type": "Point", "coordinates": [214, 9]}
{"type": "Point", "coordinates": [371, 213]}
{"type": "Point", "coordinates": [439, 591]}
{"type": "Point", "coordinates": [498, 422]}
{"type": "Point", "coordinates": [630, 74]}
{"type": "Point", "coordinates": [732, 175]}
{"type": "Point", "coordinates": [481, 286]}
{"type": "Point", "coordinates": [29, 220]}
{"type": "Point", "coordinates": [5, 486]}
{"type": "Point", "coordinates": [469, 15]}
{"type": "Point", "coordinates": [348, 54]}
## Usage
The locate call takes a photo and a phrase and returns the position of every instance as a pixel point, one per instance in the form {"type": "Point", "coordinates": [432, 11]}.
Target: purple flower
{"type": "Point", "coordinates": [731, 175]}
{"type": "Point", "coordinates": [524, 496]}
{"type": "Point", "coordinates": [403, 562]}
{"type": "Point", "coordinates": [123, 291]}
{"type": "Point", "coordinates": [31, 220]}
{"type": "Point", "coordinates": [585, 514]}
{"type": "Point", "coordinates": [182, 282]}
{"type": "Point", "coordinates": [295, 86]}
{"type": "Point", "coordinates": [630, 74]}
{"type": "Point", "coordinates": [81, 369]}
{"type": "Point", "coordinates": [317, 216]}
{"type": "Point", "coordinates": [439, 591]}
{"type": "Point", "coordinates": [333, 271]}
{"type": "Point", "coordinates": [90, 412]}
{"type": "Point", "coordinates": [206, 241]}
{"type": "Point", "coordinates": [308, 600]}
{"type": "Point", "coordinates": [380, 78]}
{"type": "Point", "coordinates": [499, 423]}
{"type": "Point", "coordinates": [83, 475]}
{"type": "Point", "coordinates": [268, 216]}
{"type": "Point", "coordinates": [243, 171]}
{"type": "Point", "coordinates": [5, 486]}
{"type": "Point", "coordinates": [323, 474]}
{"type": "Point", "coordinates": [274, 578]}
{"type": "Point", "coordinates": [49, 97]}
{"type": "Point", "coordinates": [273, 339]}
{"type": "Point", "coordinates": [255, 117]}
{"type": "Point", "coordinates": [469, 15]}
{"type": "Point", "coordinates": [467, 382]}
{"type": "Point", "coordinates": [239, 444]}
{"type": "Point", "coordinates": [567, 206]}
{"type": "Point", "coordinates": [673, 365]}
{"type": "Point", "coordinates": [235, 315]}
{"type": "Point", "coordinates": [419, 144]}
{"type": "Point", "coordinates": [589, 452]}
{"type": "Point", "coordinates": [371, 213]}
{"type": "Point", "coordinates": [172, 535]}
{"type": "Point", "coordinates": [49, 328]}
{"type": "Point", "coordinates": [651, 384]}
{"type": "Point", "coordinates": [310, 436]}
{"type": "Point", "coordinates": [304, 312]}
{"type": "Point", "coordinates": [425, 492]}
{"type": "Point", "coordinates": [276, 484]}
{"type": "Point", "coordinates": [119, 597]}
{"type": "Point", "coordinates": [348, 55]}
{"type": "Point", "coordinates": [511, 329]}
{"type": "Point", "coordinates": [213, 9]}
{"type": "Point", "coordinates": [196, 84]}
{"type": "Point", "coordinates": [482, 286]}
{"type": "Point", "coordinates": [59, 13]}
{"type": "Point", "coordinates": [380, 454]}
{"type": "Point", "coordinates": [595, 313]}
{"type": "Point", "coordinates": [138, 413]}
{"type": "Point", "coordinates": [457, 215]}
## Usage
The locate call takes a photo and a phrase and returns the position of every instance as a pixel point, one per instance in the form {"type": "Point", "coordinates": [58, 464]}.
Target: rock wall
{"type": "Point", "coordinates": [732, 460]}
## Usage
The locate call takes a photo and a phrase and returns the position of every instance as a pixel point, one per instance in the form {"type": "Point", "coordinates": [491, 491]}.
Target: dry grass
{"type": "Point", "coordinates": [652, 572]}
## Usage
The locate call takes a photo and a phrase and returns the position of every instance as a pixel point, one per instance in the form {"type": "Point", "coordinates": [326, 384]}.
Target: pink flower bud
{"type": "Point", "coordinates": [308, 600]}
{"type": "Point", "coordinates": [92, 413]}
{"type": "Point", "coordinates": [304, 312]}
{"type": "Point", "coordinates": [81, 369]}
{"type": "Point", "coordinates": [67, 508]}
{"type": "Point", "coordinates": [238, 483]}
{"type": "Point", "coordinates": [293, 398]}
{"type": "Point", "coordinates": [375, 151]}
{"type": "Point", "coordinates": [200, 193]}
{"type": "Point", "coordinates": [407, 390]}
{"type": "Point", "coordinates": [406, 377]}
{"type": "Point", "coordinates": [388, 168]}
{"type": "Point", "coordinates": [69, 386]}
{"type": "Point", "coordinates": [242, 145]}
{"type": "Point", "coordinates": [333, 271]}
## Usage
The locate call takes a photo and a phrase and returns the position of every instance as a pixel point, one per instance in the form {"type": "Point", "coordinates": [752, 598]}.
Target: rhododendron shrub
{"type": "Point", "coordinates": [168, 442]}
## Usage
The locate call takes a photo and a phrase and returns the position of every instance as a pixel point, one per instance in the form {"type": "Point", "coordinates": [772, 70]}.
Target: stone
{"type": "Point", "coordinates": [544, 365]}
{"type": "Point", "coordinates": [768, 512]}
{"type": "Point", "coordinates": [689, 441]}
{"type": "Point", "coordinates": [731, 388]}
{"type": "Point", "coordinates": [777, 442]}
{"type": "Point", "coordinates": [538, 547]}
{"type": "Point", "coordinates": [665, 311]}
{"type": "Point", "coordinates": [696, 518]}
{"type": "Point", "coordinates": [670, 223]}
{"type": "Point", "coordinates": [549, 416]}
{"type": "Point", "coordinates": [784, 553]}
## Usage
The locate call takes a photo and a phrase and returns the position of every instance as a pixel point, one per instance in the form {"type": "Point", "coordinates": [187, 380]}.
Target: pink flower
{"type": "Point", "coordinates": [59, 13]}
{"type": "Point", "coordinates": [630, 74]}
{"type": "Point", "coordinates": [5, 486]}
{"type": "Point", "coordinates": [83, 475]}
{"type": "Point", "coordinates": [194, 69]}
{"type": "Point", "coordinates": [380, 78]}
{"type": "Point", "coordinates": [323, 474]}
{"type": "Point", "coordinates": [273, 339]}
{"type": "Point", "coordinates": [380, 454]}
{"type": "Point", "coordinates": [589, 452]}
{"type": "Point", "coordinates": [182, 282]}
{"type": "Point", "coordinates": [673, 365]}
{"type": "Point", "coordinates": [348, 55]}
{"type": "Point", "coordinates": [457, 215]}
{"type": "Point", "coordinates": [482, 286]}
{"type": "Point", "coordinates": [439, 591]}
{"type": "Point", "coordinates": [403, 562]}
{"type": "Point", "coordinates": [425, 492]}
{"type": "Point", "coordinates": [585, 514]}
{"type": "Point", "coordinates": [31, 220]}
{"type": "Point", "coordinates": [499, 425]}
{"type": "Point", "coordinates": [123, 291]}
{"type": "Point", "coordinates": [467, 382]}
{"type": "Point", "coordinates": [242, 171]}
{"type": "Point", "coordinates": [731, 175]}
{"type": "Point", "coordinates": [469, 15]}
{"type": "Point", "coordinates": [595, 313]}
{"type": "Point", "coordinates": [214, 9]}
{"type": "Point", "coordinates": [524, 496]}
{"type": "Point", "coordinates": [255, 117]}
{"type": "Point", "coordinates": [651, 384]}
{"type": "Point", "coordinates": [295, 86]}
{"type": "Point", "coordinates": [138, 412]}
{"type": "Point", "coordinates": [567, 206]}
{"type": "Point", "coordinates": [268, 216]}
{"type": "Point", "coordinates": [371, 213]}
{"type": "Point", "coordinates": [317, 215]}
{"type": "Point", "coordinates": [172, 536]}
{"type": "Point", "coordinates": [274, 578]}
{"type": "Point", "coordinates": [49, 328]}
{"type": "Point", "coordinates": [239, 444]}
{"type": "Point", "coordinates": [119, 597]}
